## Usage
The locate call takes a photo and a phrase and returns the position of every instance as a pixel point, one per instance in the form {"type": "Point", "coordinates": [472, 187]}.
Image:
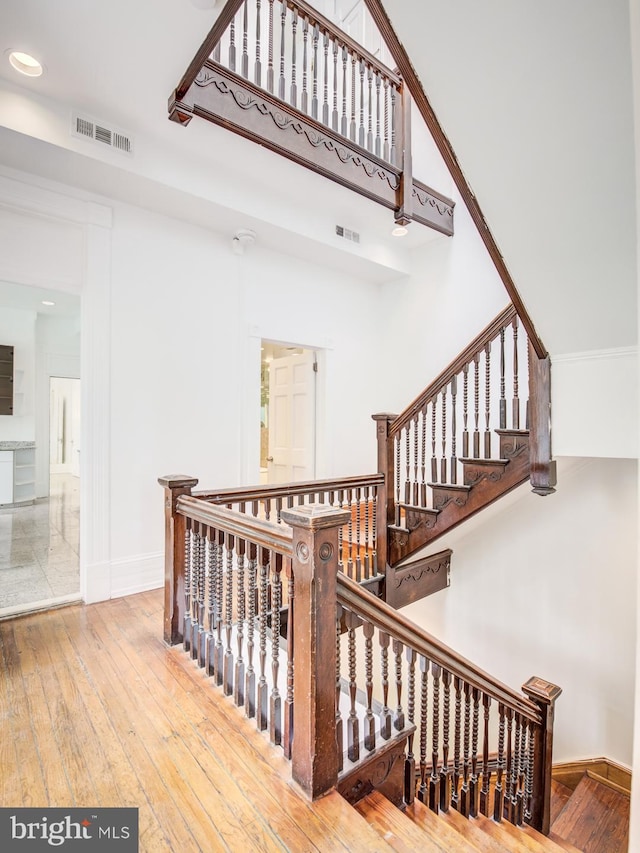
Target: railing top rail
{"type": "Point", "coordinates": [264, 534]}
{"type": "Point", "coordinates": [325, 25]}
{"type": "Point", "coordinates": [277, 490]}
{"type": "Point", "coordinates": [466, 356]}
{"type": "Point", "coordinates": [387, 619]}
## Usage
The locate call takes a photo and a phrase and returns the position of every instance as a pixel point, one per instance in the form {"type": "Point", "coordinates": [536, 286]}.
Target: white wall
{"type": "Point", "coordinates": [17, 329]}
{"type": "Point", "coordinates": [547, 587]}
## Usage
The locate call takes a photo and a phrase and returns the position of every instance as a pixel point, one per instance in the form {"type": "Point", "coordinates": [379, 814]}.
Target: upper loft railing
{"type": "Point", "coordinates": [280, 73]}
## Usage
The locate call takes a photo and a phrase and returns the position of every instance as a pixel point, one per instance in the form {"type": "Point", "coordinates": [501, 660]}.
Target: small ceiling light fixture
{"type": "Point", "coordinates": [243, 238]}
{"type": "Point", "coordinates": [47, 302]}
{"type": "Point", "coordinates": [24, 63]}
{"type": "Point", "coordinates": [400, 231]}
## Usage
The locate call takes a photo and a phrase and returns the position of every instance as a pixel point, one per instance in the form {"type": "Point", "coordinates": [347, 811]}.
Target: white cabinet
{"type": "Point", "coordinates": [17, 476]}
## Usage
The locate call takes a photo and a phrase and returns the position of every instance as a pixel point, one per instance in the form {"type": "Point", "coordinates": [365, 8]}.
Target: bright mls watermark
{"type": "Point", "coordinates": [34, 830]}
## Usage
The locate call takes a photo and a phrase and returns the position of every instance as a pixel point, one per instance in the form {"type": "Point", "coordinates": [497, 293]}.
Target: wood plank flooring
{"type": "Point", "coordinates": [95, 710]}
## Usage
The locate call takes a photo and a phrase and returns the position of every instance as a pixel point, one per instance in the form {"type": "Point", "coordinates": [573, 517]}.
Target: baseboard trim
{"type": "Point", "coordinates": [137, 574]}
{"type": "Point", "coordinates": [601, 769]}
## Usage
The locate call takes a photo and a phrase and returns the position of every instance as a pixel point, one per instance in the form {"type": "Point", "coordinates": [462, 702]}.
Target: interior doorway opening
{"type": "Point", "coordinates": [288, 389]}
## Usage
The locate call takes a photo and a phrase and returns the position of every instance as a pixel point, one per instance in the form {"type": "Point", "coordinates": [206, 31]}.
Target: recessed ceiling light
{"type": "Point", "coordinates": [400, 231]}
{"type": "Point", "coordinates": [47, 302]}
{"type": "Point", "coordinates": [25, 63]}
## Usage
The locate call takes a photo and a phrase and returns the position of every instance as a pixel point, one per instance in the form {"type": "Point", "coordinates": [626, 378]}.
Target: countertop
{"type": "Point", "coordinates": [16, 445]}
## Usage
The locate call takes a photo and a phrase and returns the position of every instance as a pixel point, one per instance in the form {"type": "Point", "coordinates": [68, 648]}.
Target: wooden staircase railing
{"type": "Point", "coordinates": [229, 574]}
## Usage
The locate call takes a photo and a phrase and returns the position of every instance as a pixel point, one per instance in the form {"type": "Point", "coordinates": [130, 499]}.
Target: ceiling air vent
{"type": "Point", "coordinates": [347, 233]}
{"type": "Point", "coordinates": [99, 131]}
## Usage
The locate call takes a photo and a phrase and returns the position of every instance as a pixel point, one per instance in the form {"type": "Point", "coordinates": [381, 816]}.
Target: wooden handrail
{"type": "Point", "coordinates": [278, 490]}
{"type": "Point", "coordinates": [392, 622]}
{"type": "Point", "coordinates": [466, 356]}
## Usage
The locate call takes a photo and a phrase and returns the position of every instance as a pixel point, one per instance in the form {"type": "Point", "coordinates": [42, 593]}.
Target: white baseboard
{"type": "Point", "coordinates": [137, 574]}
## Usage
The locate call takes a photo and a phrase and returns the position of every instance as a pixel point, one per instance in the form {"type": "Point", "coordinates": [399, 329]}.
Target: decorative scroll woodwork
{"type": "Point", "coordinates": [421, 578]}
{"type": "Point", "coordinates": [225, 85]}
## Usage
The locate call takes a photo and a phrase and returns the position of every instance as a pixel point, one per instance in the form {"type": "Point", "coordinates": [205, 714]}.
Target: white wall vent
{"type": "Point", "coordinates": [347, 233]}
{"type": "Point", "coordinates": [99, 131]}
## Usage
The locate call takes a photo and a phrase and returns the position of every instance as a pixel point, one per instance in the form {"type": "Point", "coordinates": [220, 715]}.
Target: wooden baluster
{"type": "Point", "coordinates": [515, 403]}
{"type": "Point", "coordinates": [455, 796]}
{"type": "Point", "coordinates": [434, 461]}
{"type": "Point", "coordinates": [374, 531]}
{"type": "Point", "coordinates": [369, 720]}
{"type": "Point", "coordinates": [262, 719]}
{"type": "Point", "coordinates": [212, 603]}
{"type": "Point", "coordinates": [423, 459]}
{"type": "Point", "coordinates": [294, 58]}
{"type": "Point", "coordinates": [283, 21]}
{"type": "Point", "coordinates": [423, 791]}
{"type": "Point", "coordinates": [334, 113]}
{"type": "Point", "coordinates": [361, 126]}
{"type": "Point", "coordinates": [325, 98]}
{"type": "Point", "coordinates": [503, 401]}
{"type": "Point", "coordinates": [434, 782]}
{"type": "Point", "coordinates": [358, 575]}
{"type": "Point", "coordinates": [367, 543]}
{"type": "Point", "coordinates": [275, 703]}
{"type": "Point", "coordinates": [218, 654]}
{"type": "Point", "coordinates": [378, 141]}
{"type": "Point", "coordinates": [287, 736]}
{"type": "Point", "coordinates": [267, 509]}
{"type": "Point", "coordinates": [257, 69]}
{"type": "Point", "coordinates": [350, 570]}
{"type": "Point", "coordinates": [529, 779]}
{"type": "Point", "coordinates": [239, 677]}
{"type": "Point", "coordinates": [394, 124]}
{"type": "Point", "coordinates": [250, 680]}
{"type": "Point", "coordinates": [314, 95]}
{"type": "Point", "coordinates": [245, 41]}
{"type": "Point", "coordinates": [415, 497]}
{"type": "Point", "coordinates": [278, 510]}
{"type": "Point", "coordinates": [465, 411]}
{"type": "Point", "coordinates": [304, 97]}
{"type": "Point", "coordinates": [509, 767]}
{"type": "Point", "coordinates": [341, 548]}
{"type": "Point", "coordinates": [228, 618]}
{"type": "Point", "coordinates": [465, 801]}
{"type": "Point", "coordinates": [476, 406]}
{"type": "Point", "coordinates": [474, 787]}
{"type": "Point", "coordinates": [398, 719]}
{"type": "Point", "coordinates": [410, 761]}
{"type": "Point", "coordinates": [443, 458]}
{"type": "Point", "coordinates": [407, 464]}
{"type": "Point", "coordinates": [522, 773]}
{"type": "Point", "coordinates": [352, 125]}
{"type": "Point", "coordinates": [485, 806]}
{"type": "Point", "coordinates": [398, 510]}
{"type": "Point", "coordinates": [498, 803]}
{"type": "Point", "coordinates": [232, 45]}
{"type": "Point", "coordinates": [202, 632]}
{"type": "Point", "coordinates": [343, 117]}
{"type": "Point", "coordinates": [487, 402]}
{"type": "Point", "coordinates": [385, 713]}
{"type": "Point", "coordinates": [454, 429]}
{"type": "Point", "coordinates": [385, 147]}
{"type": "Point", "coordinates": [270, 73]}
{"type": "Point", "coordinates": [339, 723]}
{"type": "Point", "coordinates": [445, 773]}
{"type": "Point", "coordinates": [370, 113]}
{"type": "Point", "coordinates": [188, 574]}
{"type": "Point", "coordinates": [353, 724]}
{"type": "Point", "coordinates": [515, 772]}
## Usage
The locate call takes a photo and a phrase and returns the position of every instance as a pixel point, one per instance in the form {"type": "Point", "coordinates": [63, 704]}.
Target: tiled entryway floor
{"type": "Point", "coordinates": [39, 548]}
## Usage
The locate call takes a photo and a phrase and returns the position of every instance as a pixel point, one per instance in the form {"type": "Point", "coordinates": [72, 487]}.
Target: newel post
{"type": "Point", "coordinates": [543, 467]}
{"type": "Point", "coordinates": [315, 567]}
{"type": "Point", "coordinates": [544, 694]}
{"type": "Point", "coordinates": [386, 509]}
{"type": "Point", "coordinates": [174, 535]}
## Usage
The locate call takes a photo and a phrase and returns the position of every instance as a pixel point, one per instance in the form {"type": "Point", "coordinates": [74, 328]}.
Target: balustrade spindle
{"type": "Point", "coordinates": [370, 112]}
{"type": "Point", "coordinates": [465, 804]}
{"type": "Point", "coordinates": [304, 97]}
{"type": "Point", "coordinates": [314, 95]}
{"type": "Point", "coordinates": [350, 534]}
{"type": "Point", "coordinates": [487, 402]}
{"type": "Point", "coordinates": [199, 637]}
{"type": "Point", "coordinates": [250, 680]}
{"type": "Point", "coordinates": [385, 134]}
{"type": "Point", "coordinates": [228, 618]}
{"type": "Point", "coordinates": [455, 798]}
{"type": "Point", "coordinates": [522, 771]}
{"type": "Point", "coordinates": [476, 406]}
{"type": "Point", "coordinates": [283, 21]}
{"type": "Point", "coordinates": [410, 761]}
{"type": "Point", "coordinates": [423, 791]}
{"type": "Point", "coordinates": [294, 84]}
{"type": "Point", "coordinates": [509, 768]}
{"type": "Point", "coordinates": [385, 713]}
{"type": "Point", "coordinates": [343, 117]}
{"type": "Point", "coordinates": [465, 411]}
{"type": "Point", "coordinates": [257, 71]}
{"type": "Point", "coordinates": [392, 152]}
{"type": "Point", "coordinates": [445, 773]}
{"type": "Point", "coordinates": [188, 574]}
{"type": "Point", "coordinates": [503, 400]}
{"type": "Point", "coordinates": [474, 787]}
{"type": "Point", "coordinates": [361, 125]}
{"type": "Point", "coordinates": [378, 141]}
{"type": "Point", "coordinates": [232, 45]}
{"type": "Point", "coordinates": [434, 782]}
{"type": "Point", "coordinates": [358, 575]}
{"type": "Point", "coordinates": [353, 724]}
{"type": "Point", "coordinates": [270, 72]}
{"type": "Point", "coordinates": [528, 806]}
{"type": "Point", "coordinates": [367, 543]}
{"type": "Point", "coordinates": [334, 113]}
{"type": "Point", "coordinates": [369, 721]}
{"type": "Point", "coordinates": [339, 726]}
{"type": "Point", "coordinates": [434, 461]}
{"type": "Point", "coordinates": [213, 604]}
{"type": "Point", "coordinates": [454, 429]}
{"type": "Point", "coordinates": [288, 702]}
{"type": "Point", "coordinates": [325, 99]}
{"type": "Point", "coordinates": [443, 458]}
{"type": "Point", "coordinates": [398, 720]}
{"type": "Point", "coordinates": [263, 688]}
{"type": "Point", "coordinates": [423, 460]}
{"type": "Point", "coordinates": [341, 549]}
{"type": "Point", "coordinates": [515, 772]}
{"type": "Point", "coordinates": [498, 804]}
{"type": "Point", "coordinates": [239, 677]}
{"type": "Point", "coordinates": [415, 497]}
{"type": "Point", "coordinates": [515, 405]}
{"type": "Point", "coordinates": [374, 535]}
{"type": "Point", "coordinates": [486, 772]}
{"type": "Point", "coordinates": [219, 648]}
{"type": "Point", "coordinates": [352, 125]}
{"type": "Point", "coordinates": [397, 440]}
{"type": "Point", "coordinates": [275, 703]}
{"type": "Point", "coordinates": [244, 65]}
{"type": "Point", "coordinates": [407, 464]}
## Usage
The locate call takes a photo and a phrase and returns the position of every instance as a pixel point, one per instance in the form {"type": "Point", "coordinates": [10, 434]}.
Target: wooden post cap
{"type": "Point", "coordinates": [315, 516]}
{"type": "Point", "coordinates": [540, 690]}
{"type": "Point", "coordinates": [178, 481]}
{"type": "Point", "coordinates": [384, 416]}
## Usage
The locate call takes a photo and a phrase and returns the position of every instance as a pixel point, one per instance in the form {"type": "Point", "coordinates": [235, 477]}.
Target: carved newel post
{"type": "Point", "coordinates": [386, 509]}
{"type": "Point", "coordinates": [315, 567]}
{"type": "Point", "coordinates": [174, 485]}
{"type": "Point", "coordinates": [544, 694]}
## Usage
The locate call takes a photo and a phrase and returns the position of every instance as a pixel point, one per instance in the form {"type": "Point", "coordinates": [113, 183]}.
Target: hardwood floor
{"type": "Point", "coordinates": [95, 710]}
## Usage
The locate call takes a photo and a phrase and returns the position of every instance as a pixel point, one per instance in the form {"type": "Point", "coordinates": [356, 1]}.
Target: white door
{"type": "Point", "coordinates": [292, 415]}
{"type": "Point", "coordinates": [64, 423]}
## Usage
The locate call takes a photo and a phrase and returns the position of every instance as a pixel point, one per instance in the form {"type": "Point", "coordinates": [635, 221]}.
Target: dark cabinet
{"type": "Point", "coordinates": [6, 380]}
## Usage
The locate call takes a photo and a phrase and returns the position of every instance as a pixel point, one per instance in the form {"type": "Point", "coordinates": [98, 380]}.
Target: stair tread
{"type": "Point", "coordinates": [560, 794]}
{"type": "Point", "coordinates": [337, 812]}
{"type": "Point", "coordinates": [528, 840]}
{"type": "Point", "coordinates": [453, 487]}
{"type": "Point", "coordinates": [474, 833]}
{"type": "Point", "coordinates": [595, 818]}
{"type": "Point", "coordinates": [396, 828]}
{"type": "Point", "coordinates": [479, 461]}
{"type": "Point", "coordinates": [455, 837]}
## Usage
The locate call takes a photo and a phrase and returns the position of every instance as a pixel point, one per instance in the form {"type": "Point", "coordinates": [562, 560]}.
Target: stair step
{"type": "Point", "coordinates": [449, 493]}
{"type": "Point", "coordinates": [475, 470]}
{"type": "Point", "coordinates": [560, 795]}
{"type": "Point", "coordinates": [595, 818]}
{"type": "Point", "coordinates": [455, 838]}
{"type": "Point", "coordinates": [470, 830]}
{"type": "Point", "coordinates": [527, 839]}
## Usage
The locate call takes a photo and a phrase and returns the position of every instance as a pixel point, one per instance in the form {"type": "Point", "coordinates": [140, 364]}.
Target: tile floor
{"type": "Point", "coordinates": [39, 549]}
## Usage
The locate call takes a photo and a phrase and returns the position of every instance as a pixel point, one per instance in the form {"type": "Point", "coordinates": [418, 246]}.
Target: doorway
{"type": "Point", "coordinates": [288, 380]}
